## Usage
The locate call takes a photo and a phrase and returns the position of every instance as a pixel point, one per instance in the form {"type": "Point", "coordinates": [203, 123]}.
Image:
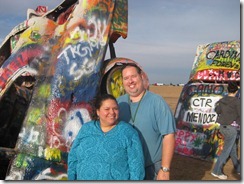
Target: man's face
{"type": "Point", "coordinates": [132, 81]}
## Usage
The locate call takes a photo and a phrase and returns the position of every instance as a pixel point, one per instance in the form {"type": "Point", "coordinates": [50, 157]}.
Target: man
{"type": "Point", "coordinates": [228, 109]}
{"type": "Point", "coordinates": [152, 117]}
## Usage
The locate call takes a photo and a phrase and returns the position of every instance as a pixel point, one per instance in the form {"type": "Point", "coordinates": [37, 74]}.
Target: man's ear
{"type": "Point", "coordinates": [145, 80]}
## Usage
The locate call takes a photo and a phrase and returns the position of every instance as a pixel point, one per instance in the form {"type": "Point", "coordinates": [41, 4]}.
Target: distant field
{"type": "Point", "coordinates": [169, 93]}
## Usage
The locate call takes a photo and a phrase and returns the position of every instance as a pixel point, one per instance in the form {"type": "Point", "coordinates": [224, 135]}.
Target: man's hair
{"type": "Point", "coordinates": [125, 65]}
{"type": "Point", "coordinates": [232, 86]}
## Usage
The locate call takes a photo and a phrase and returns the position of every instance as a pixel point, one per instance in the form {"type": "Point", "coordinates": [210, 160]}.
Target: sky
{"type": "Point", "coordinates": [163, 35]}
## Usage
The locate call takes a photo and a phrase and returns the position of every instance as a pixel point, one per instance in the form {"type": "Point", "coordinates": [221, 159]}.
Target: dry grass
{"type": "Point", "coordinates": [169, 93]}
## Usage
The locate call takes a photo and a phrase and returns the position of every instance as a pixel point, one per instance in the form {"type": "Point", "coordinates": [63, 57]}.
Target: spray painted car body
{"type": "Point", "coordinates": [198, 133]}
{"type": "Point", "coordinates": [52, 68]}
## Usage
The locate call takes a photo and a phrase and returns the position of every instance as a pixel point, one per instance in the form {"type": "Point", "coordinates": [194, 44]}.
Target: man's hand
{"type": "Point", "coordinates": [163, 175]}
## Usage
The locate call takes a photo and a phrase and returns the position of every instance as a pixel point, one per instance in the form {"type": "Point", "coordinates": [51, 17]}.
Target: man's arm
{"type": "Point", "coordinates": [167, 155]}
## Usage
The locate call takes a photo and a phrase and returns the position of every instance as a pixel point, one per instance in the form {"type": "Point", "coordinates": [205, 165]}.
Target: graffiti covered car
{"type": "Point", "coordinates": [52, 67]}
{"type": "Point", "coordinates": [198, 133]}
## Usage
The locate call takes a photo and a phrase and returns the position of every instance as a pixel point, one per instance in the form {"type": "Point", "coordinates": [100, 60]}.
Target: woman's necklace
{"type": "Point", "coordinates": [133, 118]}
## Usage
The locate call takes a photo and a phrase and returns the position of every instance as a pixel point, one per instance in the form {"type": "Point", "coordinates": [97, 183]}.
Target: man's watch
{"type": "Point", "coordinates": [165, 169]}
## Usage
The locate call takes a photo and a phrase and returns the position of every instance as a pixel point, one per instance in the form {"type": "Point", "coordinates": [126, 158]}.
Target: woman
{"type": "Point", "coordinates": [106, 149]}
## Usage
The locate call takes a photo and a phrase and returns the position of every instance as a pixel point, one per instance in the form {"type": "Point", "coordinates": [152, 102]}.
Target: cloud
{"type": "Point", "coordinates": [163, 35]}
{"type": "Point", "coordinates": [160, 62]}
{"type": "Point", "coordinates": [19, 7]}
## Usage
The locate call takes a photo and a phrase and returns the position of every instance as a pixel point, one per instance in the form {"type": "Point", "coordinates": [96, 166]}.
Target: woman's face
{"type": "Point", "coordinates": [108, 113]}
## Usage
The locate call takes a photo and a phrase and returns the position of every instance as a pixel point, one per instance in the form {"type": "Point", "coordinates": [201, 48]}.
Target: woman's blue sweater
{"type": "Point", "coordinates": [114, 155]}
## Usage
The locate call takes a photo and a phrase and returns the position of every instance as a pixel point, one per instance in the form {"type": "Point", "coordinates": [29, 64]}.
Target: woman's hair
{"type": "Point", "coordinates": [99, 101]}
{"type": "Point", "coordinates": [232, 86]}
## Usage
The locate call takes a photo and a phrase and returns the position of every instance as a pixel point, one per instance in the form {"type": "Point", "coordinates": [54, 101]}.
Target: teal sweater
{"type": "Point", "coordinates": [115, 155]}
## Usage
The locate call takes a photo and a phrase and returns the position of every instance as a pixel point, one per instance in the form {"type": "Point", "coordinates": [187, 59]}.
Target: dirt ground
{"type": "Point", "coordinates": [183, 167]}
